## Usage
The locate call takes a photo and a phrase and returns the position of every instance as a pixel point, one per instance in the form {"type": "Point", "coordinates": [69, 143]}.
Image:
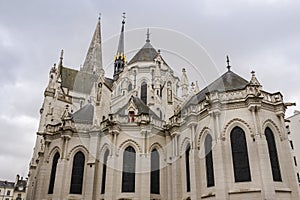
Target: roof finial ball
{"type": "Point", "coordinates": [99, 17]}
{"type": "Point", "coordinates": [228, 63]}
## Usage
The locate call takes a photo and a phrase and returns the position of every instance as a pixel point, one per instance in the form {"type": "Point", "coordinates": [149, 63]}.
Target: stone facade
{"type": "Point", "coordinates": [85, 114]}
{"type": "Point", "coordinates": [293, 127]}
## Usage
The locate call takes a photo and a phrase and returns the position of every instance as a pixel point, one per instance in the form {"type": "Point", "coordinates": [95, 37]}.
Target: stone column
{"type": "Point", "coordinates": [193, 176]}
{"type": "Point", "coordinates": [218, 150]}
{"type": "Point", "coordinates": [143, 176]}
{"type": "Point", "coordinates": [169, 156]}
{"type": "Point", "coordinates": [267, 184]}
{"type": "Point", "coordinates": [91, 174]}
{"type": "Point", "coordinates": [61, 177]}
{"type": "Point", "coordinates": [40, 178]}
{"type": "Point", "coordinates": [113, 171]}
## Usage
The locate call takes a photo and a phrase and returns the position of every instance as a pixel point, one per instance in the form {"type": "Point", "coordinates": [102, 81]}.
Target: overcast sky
{"type": "Point", "coordinates": [258, 35]}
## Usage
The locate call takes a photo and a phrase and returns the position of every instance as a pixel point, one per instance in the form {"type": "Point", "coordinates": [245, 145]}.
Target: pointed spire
{"type": "Point", "coordinates": [228, 63]}
{"type": "Point", "coordinates": [184, 84]}
{"type": "Point", "coordinates": [93, 60]}
{"type": "Point", "coordinates": [121, 39]}
{"type": "Point", "coordinates": [148, 35]}
{"type": "Point", "coordinates": [197, 89]}
{"type": "Point", "coordinates": [120, 58]}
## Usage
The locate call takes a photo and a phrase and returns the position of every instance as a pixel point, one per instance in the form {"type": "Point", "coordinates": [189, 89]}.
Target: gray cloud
{"type": "Point", "coordinates": [259, 35]}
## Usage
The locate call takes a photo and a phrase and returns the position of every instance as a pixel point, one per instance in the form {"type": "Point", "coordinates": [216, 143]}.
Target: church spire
{"type": "Point", "coordinates": [93, 60]}
{"type": "Point", "coordinates": [120, 57]}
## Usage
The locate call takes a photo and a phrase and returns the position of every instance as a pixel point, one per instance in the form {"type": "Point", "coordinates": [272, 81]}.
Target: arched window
{"type": "Point", "coordinates": [144, 92]}
{"type": "Point", "coordinates": [129, 87]}
{"type": "Point", "coordinates": [77, 173]}
{"type": "Point", "coordinates": [155, 176]}
{"type": "Point", "coordinates": [273, 154]}
{"type": "Point", "coordinates": [240, 155]}
{"type": "Point", "coordinates": [128, 174]}
{"type": "Point", "coordinates": [53, 173]}
{"type": "Point", "coordinates": [104, 171]}
{"type": "Point", "coordinates": [187, 168]}
{"type": "Point", "coordinates": [209, 162]}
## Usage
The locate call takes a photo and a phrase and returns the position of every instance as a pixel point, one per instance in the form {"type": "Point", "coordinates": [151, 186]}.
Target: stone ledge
{"type": "Point", "coordinates": [244, 191]}
{"type": "Point", "coordinates": [285, 190]}
{"type": "Point", "coordinates": [208, 195]}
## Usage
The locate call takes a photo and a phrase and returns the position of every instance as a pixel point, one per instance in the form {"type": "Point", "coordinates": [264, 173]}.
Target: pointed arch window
{"type": "Point", "coordinates": [273, 154]}
{"type": "Point", "coordinates": [104, 171]}
{"type": "Point", "coordinates": [144, 92]}
{"type": "Point", "coordinates": [77, 173]}
{"type": "Point", "coordinates": [210, 180]}
{"type": "Point", "coordinates": [129, 87]}
{"type": "Point", "coordinates": [53, 173]}
{"type": "Point", "coordinates": [240, 155]}
{"type": "Point", "coordinates": [187, 168]}
{"type": "Point", "coordinates": [128, 174]}
{"type": "Point", "coordinates": [155, 173]}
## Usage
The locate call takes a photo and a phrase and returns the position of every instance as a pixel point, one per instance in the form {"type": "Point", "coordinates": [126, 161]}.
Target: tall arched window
{"type": "Point", "coordinates": [77, 173]}
{"type": "Point", "coordinates": [240, 155]}
{"type": "Point", "coordinates": [273, 154]}
{"type": "Point", "coordinates": [53, 173]}
{"type": "Point", "coordinates": [155, 176]}
{"type": "Point", "coordinates": [129, 87]}
{"type": "Point", "coordinates": [128, 174]}
{"type": "Point", "coordinates": [187, 168]}
{"type": "Point", "coordinates": [210, 180]}
{"type": "Point", "coordinates": [104, 171]}
{"type": "Point", "coordinates": [144, 92]}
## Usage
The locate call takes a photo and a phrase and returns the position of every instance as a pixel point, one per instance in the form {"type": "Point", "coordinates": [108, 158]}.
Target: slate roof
{"type": "Point", "coordinates": [7, 184]}
{"type": "Point", "coordinates": [227, 82]}
{"type": "Point", "coordinates": [84, 115]}
{"type": "Point", "coordinates": [146, 53]}
{"type": "Point", "coordinates": [142, 108]}
{"type": "Point", "coordinates": [109, 82]}
{"type": "Point", "coordinates": [80, 81]}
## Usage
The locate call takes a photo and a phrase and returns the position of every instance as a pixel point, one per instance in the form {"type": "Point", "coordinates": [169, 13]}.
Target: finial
{"type": "Point", "coordinates": [61, 57]}
{"type": "Point", "coordinates": [148, 35]}
{"type": "Point", "coordinates": [99, 17]}
{"type": "Point", "coordinates": [253, 73]}
{"type": "Point", "coordinates": [183, 69]}
{"type": "Point", "coordinates": [61, 54]}
{"type": "Point", "coordinates": [124, 17]}
{"type": "Point", "coordinates": [228, 63]}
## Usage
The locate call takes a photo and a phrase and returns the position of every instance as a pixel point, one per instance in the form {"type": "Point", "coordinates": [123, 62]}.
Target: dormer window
{"type": "Point", "coordinates": [131, 116]}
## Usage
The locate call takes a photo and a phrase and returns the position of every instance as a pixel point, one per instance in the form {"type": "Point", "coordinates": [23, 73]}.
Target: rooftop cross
{"type": "Point", "coordinates": [228, 63]}
{"type": "Point", "coordinates": [124, 17]}
{"type": "Point", "coordinates": [148, 35]}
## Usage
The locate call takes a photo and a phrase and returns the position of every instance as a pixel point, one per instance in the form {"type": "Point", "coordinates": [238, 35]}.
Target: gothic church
{"type": "Point", "coordinates": [145, 133]}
